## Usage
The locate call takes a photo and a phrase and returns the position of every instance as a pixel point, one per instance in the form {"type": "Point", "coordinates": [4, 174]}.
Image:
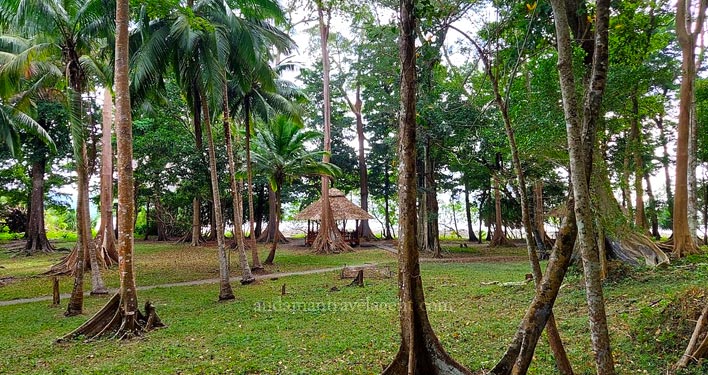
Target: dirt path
{"type": "Point", "coordinates": [270, 276]}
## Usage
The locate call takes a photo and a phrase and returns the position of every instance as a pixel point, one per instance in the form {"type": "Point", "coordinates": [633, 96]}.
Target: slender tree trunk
{"type": "Point", "coordinates": [146, 236]}
{"type": "Point", "coordinates": [120, 316]}
{"type": "Point", "coordinates": [364, 229]}
{"type": "Point", "coordinates": [76, 301]}
{"type": "Point", "coordinates": [196, 223]}
{"type": "Point", "coordinates": [554, 338]}
{"type": "Point", "coordinates": [581, 141]}
{"type": "Point", "coordinates": [260, 208]}
{"type": "Point", "coordinates": [160, 218]}
{"type": "Point", "coordinates": [387, 206]}
{"type": "Point", "coordinates": [246, 275]}
{"type": "Point", "coordinates": [683, 239]}
{"type": "Point", "coordinates": [271, 231]}
{"type": "Point", "coordinates": [420, 351]}
{"type": "Point", "coordinates": [468, 213]}
{"type": "Point", "coordinates": [653, 219]}
{"type": "Point", "coordinates": [499, 238]}
{"type": "Point", "coordinates": [430, 219]}
{"type": "Point", "coordinates": [329, 239]}
{"type": "Point", "coordinates": [276, 226]}
{"type": "Point", "coordinates": [196, 204]}
{"type": "Point", "coordinates": [626, 193]}
{"type": "Point", "coordinates": [37, 241]}
{"type": "Point", "coordinates": [692, 167]}
{"type": "Point", "coordinates": [225, 291]}
{"type": "Point", "coordinates": [249, 176]}
{"type": "Point", "coordinates": [97, 285]}
{"type": "Point", "coordinates": [106, 231]}
{"type": "Point", "coordinates": [666, 162]}
{"type": "Point", "coordinates": [636, 141]}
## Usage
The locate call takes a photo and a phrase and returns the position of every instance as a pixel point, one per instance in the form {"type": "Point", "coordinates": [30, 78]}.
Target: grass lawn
{"type": "Point", "coordinates": [314, 330]}
{"type": "Point", "coordinates": [160, 263]}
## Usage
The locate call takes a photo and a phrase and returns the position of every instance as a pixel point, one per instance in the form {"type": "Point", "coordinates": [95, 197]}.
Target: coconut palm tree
{"type": "Point", "coordinates": [18, 57]}
{"type": "Point", "coordinates": [261, 94]}
{"type": "Point", "coordinates": [205, 45]}
{"type": "Point", "coordinates": [68, 29]}
{"type": "Point", "coordinates": [280, 154]}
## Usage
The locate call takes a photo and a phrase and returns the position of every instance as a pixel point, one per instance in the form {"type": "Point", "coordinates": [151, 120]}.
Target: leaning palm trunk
{"type": "Point", "coordinates": [225, 292]}
{"type": "Point", "coordinates": [246, 275]}
{"type": "Point", "coordinates": [249, 175]}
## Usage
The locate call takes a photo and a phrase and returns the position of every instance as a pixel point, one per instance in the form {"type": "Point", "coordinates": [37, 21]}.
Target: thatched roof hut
{"type": "Point", "coordinates": [342, 209]}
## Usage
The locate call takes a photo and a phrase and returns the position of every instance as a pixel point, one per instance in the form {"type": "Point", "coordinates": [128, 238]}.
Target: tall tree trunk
{"type": "Point", "coordinates": [653, 218]}
{"type": "Point", "coordinates": [260, 208]}
{"type": "Point", "coordinates": [37, 241]}
{"type": "Point", "coordinates": [160, 220]}
{"type": "Point", "coordinates": [272, 230]}
{"type": "Point", "coordinates": [275, 223]}
{"type": "Point", "coordinates": [554, 338]}
{"type": "Point", "coordinates": [640, 220]}
{"type": "Point", "coordinates": [666, 162]}
{"type": "Point", "coordinates": [468, 213]}
{"type": "Point", "coordinates": [430, 226]}
{"type": "Point", "coordinates": [499, 238]}
{"type": "Point", "coordinates": [76, 301]}
{"type": "Point", "coordinates": [581, 141]}
{"type": "Point", "coordinates": [225, 291]}
{"type": "Point", "coordinates": [212, 223]}
{"type": "Point", "coordinates": [539, 216]}
{"type": "Point", "coordinates": [256, 262]}
{"type": "Point", "coordinates": [329, 239]}
{"type": "Point", "coordinates": [692, 167]}
{"type": "Point", "coordinates": [420, 351]}
{"type": "Point", "coordinates": [387, 205]}
{"type": "Point", "coordinates": [364, 229]}
{"type": "Point", "coordinates": [687, 36]}
{"type": "Point", "coordinates": [89, 249]}
{"type": "Point", "coordinates": [624, 183]}
{"type": "Point", "coordinates": [236, 199]}
{"type": "Point", "coordinates": [106, 233]}
{"type": "Point", "coordinates": [196, 238]}
{"type": "Point", "coordinates": [120, 316]}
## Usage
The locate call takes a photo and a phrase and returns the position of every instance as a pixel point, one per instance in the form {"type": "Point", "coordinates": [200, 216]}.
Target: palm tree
{"type": "Point", "coordinates": [120, 317]}
{"type": "Point", "coordinates": [68, 28]}
{"type": "Point", "coordinates": [204, 53]}
{"type": "Point", "coordinates": [280, 154]}
{"type": "Point", "coordinates": [17, 57]}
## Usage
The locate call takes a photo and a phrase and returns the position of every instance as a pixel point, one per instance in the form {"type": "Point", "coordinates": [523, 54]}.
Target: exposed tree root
{"type": "Point", "coordinates": [112, 321]}
{"type": "Point", "coordinates": [330, 243]}
{"type": "Point", "coordinates": [420, 352]}
{"type": "Point", "coordinates": [187, 238]}
{"type": "Point", "coordinates": [67, 265]}
{"type": "Point", "coordinates": [38, 244]}
{"type": "Point", "coordinates": [636, 249]}
{"type": "Point", "coordinates": [500, 240]}
{"type": "Point", "coordinates": [266, 236]}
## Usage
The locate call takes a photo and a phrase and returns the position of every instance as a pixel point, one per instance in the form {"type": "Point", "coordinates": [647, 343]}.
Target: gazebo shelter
{"type": "Point", "coordinates": [342, 210]}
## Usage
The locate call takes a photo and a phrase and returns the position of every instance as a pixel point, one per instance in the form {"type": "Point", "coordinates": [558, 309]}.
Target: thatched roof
{"type": "Point", "coordinates": [342, 209]}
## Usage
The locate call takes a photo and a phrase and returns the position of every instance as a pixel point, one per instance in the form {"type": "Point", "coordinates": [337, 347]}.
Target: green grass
{"type": "Point", "coordinates": [350, 331]}
{"type": "Point", "coordinates": [158, 263]}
